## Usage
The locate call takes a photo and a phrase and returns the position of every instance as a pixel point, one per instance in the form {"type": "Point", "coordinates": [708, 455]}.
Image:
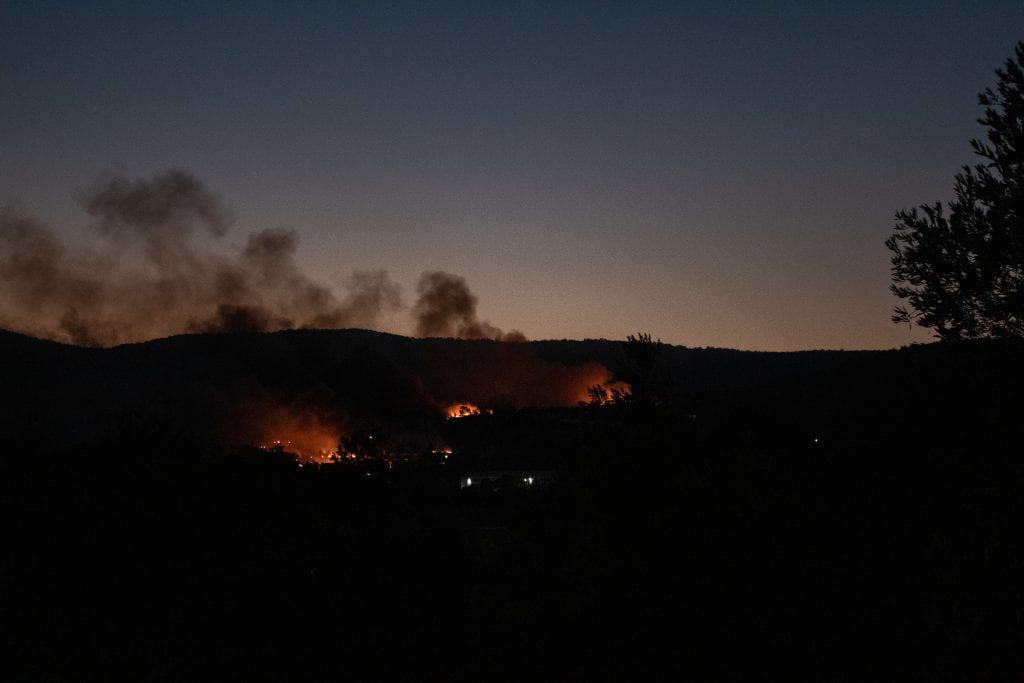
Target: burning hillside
{"type": "Point", "coordinates": [304, 420]}
{"type": "Point", "coordinates": [300, 391]}
{"type": "Point", "coordinates": [158, 264]}
{"type": "Point", "coordinates": [384, 404]}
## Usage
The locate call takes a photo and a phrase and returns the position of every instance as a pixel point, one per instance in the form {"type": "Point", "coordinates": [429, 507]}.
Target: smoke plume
{"type": "Point", "coordinates": [161, 268]}
{"type": "Point", "coordinates": [446, 308]}
{"type": "Point", "coordinates": [160, 213]}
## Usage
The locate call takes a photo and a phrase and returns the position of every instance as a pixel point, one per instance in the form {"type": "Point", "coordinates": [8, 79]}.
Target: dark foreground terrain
{"type": "Point", "coordinates": [856, 521]}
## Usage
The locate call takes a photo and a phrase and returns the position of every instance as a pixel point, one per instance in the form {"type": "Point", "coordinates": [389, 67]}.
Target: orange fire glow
{"type": "Point", "coordinates": [303, 435]}
{"type": "Point", "coordinates": [599, 376]}
{"type": "Point", "coordinates": [304, 454]}
{"type": "Point", "coordinates": [457, 410]}
{"type": "Point", "coordinates": [606, 393]}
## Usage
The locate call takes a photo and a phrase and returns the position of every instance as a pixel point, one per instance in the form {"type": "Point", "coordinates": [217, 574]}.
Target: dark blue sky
{"type": "Point", "coordinates": [717, 174]}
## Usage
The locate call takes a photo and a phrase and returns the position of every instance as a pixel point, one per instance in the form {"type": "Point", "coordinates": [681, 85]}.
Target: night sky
{"type": "Point", "coordinates": [714, 174]}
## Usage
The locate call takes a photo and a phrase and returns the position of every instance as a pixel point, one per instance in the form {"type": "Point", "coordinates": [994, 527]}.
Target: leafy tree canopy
{"type": "Point", "coordinates": [962, 271]}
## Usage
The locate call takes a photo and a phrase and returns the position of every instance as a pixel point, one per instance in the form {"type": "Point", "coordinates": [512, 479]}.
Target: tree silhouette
{"type": "Point", "coordinates": [962, 273]}
{"type": "Point", "coordinates": [648, 380]}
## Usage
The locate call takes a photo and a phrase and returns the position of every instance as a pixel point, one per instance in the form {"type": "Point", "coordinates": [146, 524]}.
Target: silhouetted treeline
{"type": "Point", "coordinates": [214, 385]}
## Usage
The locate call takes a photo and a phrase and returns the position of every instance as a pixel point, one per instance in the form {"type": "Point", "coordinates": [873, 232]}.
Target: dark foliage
{"type": "Point", "coordinates": [962, 273]}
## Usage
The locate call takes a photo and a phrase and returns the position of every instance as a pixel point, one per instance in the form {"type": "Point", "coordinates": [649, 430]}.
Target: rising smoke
{"type": "Point", "coordinates": [161, 268]}
{"type": "Point", "coordinates": [446, 308]}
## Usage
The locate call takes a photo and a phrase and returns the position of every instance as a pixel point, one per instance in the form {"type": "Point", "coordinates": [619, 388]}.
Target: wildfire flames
{"type": "Point", "coordinates": [303, 454]}
{"type": "Point", "coordinates": [457, 410]}
{"type": "Point", "coordinates": [302, 434]}
{"type": "Point", "coordinates": [316, 431]}
{"type": "Point", "coordinates": [592, 383]}
{"type": "Point", "coordinates": [598, 376]}
{"type": "Point", "coordinates": [606, 393]}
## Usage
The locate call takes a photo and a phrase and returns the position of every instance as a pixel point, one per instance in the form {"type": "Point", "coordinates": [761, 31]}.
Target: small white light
{"type": "Point", "coordinates": [469, 481]}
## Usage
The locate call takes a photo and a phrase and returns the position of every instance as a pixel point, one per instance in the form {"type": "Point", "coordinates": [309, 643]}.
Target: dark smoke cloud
{"type": "Point", "coordinates": [41, 290]}
{"type": "Point", "coordinates": [161, 269]}
{"type": "Point", "coordinates": [447, 308]}
{"type": "Point", "coordinates": [30, 259]}
{"type": "Point", "coordinates": [161, 213]}
{"type": "Point", "coordinates": [230, 318]}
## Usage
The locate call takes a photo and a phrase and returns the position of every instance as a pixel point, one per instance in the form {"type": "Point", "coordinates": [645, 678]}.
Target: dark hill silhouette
{"type": "Point", "coordinates": [209, 385]}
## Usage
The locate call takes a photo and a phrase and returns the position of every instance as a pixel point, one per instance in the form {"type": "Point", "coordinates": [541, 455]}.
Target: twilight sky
{"type": "Point", "coordinates": [713, 173]}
